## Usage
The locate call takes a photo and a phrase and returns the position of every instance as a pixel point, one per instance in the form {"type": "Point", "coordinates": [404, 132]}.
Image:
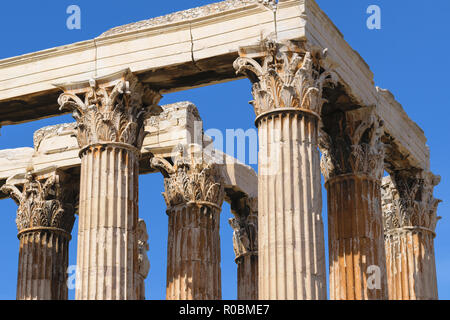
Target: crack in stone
{"type": "Point", "coordinates": [192, 49]}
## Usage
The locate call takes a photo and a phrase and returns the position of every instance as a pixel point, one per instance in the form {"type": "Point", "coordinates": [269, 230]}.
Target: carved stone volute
{"type": "Point", "coordinates": [113, 110]}
{"type": "Point", "coordinates": [290, 76]}
{"type": "Point", "coordinates": [408, 201]}
{"type": "Point", "coordinates": [45, 203]}
{"type": "Point", "coordinates": [189, 181]}
{"type": "Point", "coordinates": [350, 143]}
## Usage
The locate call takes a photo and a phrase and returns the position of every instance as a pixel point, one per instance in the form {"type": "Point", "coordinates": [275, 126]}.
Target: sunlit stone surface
{"type": "Point", "coordinates": [310, 89]}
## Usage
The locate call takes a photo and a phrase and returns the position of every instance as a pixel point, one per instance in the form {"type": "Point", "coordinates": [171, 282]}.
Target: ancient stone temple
{"type": "Point", "coordinates": [317, 113]}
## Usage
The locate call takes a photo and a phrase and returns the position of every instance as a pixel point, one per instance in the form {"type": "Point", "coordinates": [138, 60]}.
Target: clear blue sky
{"type": "Point", "coordinates": [408, 56]}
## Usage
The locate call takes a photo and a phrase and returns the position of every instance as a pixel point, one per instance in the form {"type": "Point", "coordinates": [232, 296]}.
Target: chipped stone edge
{"type": "Point", "coordinates": [180, 16]}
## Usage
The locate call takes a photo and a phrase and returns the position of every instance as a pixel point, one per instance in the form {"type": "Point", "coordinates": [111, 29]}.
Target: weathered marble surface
{"type": "Point", "coordinates": [180, 16]}
{"type": "Point", "coordinates": [287, 91]}
{"type": "Point", "coordinates": [353, 165]}
{"type": "Point", "coordinates": [410, 217]}
{"type": "Point", "coordinates": [197, 47]}
{"type": "Point", "coordinates": [56, 146]}
{"type": "Point", "coordinates": [194, 193]}
{"type": "Point", "coordinates": [45, 218]}
{"type": "Point", "coordinates": [245, 244]}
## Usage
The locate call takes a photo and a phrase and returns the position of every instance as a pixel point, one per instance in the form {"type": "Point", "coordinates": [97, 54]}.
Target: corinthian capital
{"type": "Point", "coordinates": [350, 143]}
{"type": "Point", "coordinates": [45, 202]}
{"type": "Point", "coordinates": [110, 109]}
{"type": "Point", "coordinates": [191, 180]}
{"type": "Point", "coordinates": [290, 76]}
{"type": "Point", "coordinates": [408, 200]}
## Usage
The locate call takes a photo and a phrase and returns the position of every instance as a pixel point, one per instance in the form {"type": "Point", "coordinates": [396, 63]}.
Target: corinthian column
{"type": "Point", "coordinates": [45, 219]}
{"type": "Point", "coordinates": [287, 88]}
{"type": "Point", "coordinates": [194, 194]}
{"type": "Point", "coordinates": [110, 133]}
{"type": "Point", "coordinates": [410, 217]}
{"type": "Point", "coordinates": [353, 165]}
{"type": "Point", "coordinates": [245, 243]}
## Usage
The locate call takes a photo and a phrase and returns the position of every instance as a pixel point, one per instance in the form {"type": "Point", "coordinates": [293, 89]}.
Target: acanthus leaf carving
{"type": "Point", "coordinates": [190, 181]}
{"type": "Point", "coordinates": [350, 143]}
{"type": "Point", "coordinates": [408, 200]}
{"type": "Point", "coordinates": [44, 203]}
{"type": "Point", "coordinates": [114, 113]}
{"type": "Point", "coordinates": [291, 76]}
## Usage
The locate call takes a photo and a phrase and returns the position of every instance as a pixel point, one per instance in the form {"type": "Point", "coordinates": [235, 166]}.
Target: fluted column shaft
{"type": "Point", "coordinates": [193, 253]}
{"type": "Point", "coordinates": [355, 238]}
{"type": "Point", "coordinates": [43, 261]}
{"type": "Point", "coordinates": [140, 287]}
{"type": "Point", "coordinates": [411, 267]}
{"type": "Point", "coordinates": [194, 194]}
{"type": "Point", "coordinates": [247, 272]}
{"type": "Point", "coordinates": [110, 112]}
{"type": "Point", "coordinates": [353, 165]}
{"type": "Point", "coordinates": [291, 238]}
{"type": "Point", "coordinates": [288, 83]}
{"type": "Point", "coordinates": [45, 219]}
{"type": "Point", "coordinates": [245, 244]}
{"type": "Point", "coordinates": [107, 245]}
